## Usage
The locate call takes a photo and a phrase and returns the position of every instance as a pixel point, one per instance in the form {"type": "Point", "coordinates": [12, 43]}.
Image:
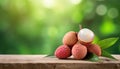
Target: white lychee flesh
{"type": "Point", "coordinates": [85, 35]}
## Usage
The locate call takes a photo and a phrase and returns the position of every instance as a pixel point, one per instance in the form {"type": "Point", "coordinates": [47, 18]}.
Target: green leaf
{"type": "Point", "coordinates": [92, 57]}
{"type": "Point", "coordinates": [106, 43]}
{"type": "Point", "coordinates": [107, 54]}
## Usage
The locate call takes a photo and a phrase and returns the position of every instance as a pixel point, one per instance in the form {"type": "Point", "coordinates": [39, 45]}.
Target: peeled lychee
{"type": "Point", "coordinates": [62, 52]}
{"type": "Point", "coordinates": [70, 38]}
{"type": "Point", "coordinates": [79, 51]}
{"type": "Point", "coordinates": [85, 36]}
{"type": "Point", "coordinates": [94, 48]}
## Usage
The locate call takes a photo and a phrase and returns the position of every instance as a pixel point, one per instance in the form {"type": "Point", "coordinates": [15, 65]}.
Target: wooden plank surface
{"type": "Point", "coordinates": [43, 62]}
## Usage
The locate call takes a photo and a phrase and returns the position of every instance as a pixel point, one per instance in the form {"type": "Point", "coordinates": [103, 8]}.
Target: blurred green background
{"type": "Point", "coordinates": [37, 26]}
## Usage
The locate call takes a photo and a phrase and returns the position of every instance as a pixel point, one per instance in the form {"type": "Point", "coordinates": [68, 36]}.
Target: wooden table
{"type": "Point", "coordinates": [43, 62]}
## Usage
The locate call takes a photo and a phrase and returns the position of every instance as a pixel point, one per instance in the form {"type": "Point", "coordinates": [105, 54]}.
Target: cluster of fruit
{"type": "Point", "coordinates": [78, 45]}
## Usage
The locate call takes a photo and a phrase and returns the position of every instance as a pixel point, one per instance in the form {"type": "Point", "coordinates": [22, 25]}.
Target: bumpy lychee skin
{"type": "Point", "coordinates": [62, 52]}
{"type": "Point", "coordinates": [70, 38]}
{"type": "Point", "coordinates": [85, 36]}
{"type": "Point", "coordinates": [79, 51]}
{"type": "Point", "coordinates": [94, 48]}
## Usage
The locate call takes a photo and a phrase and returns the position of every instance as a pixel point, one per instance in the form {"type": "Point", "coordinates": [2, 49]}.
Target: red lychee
{"type": "Point", "coordinates": [62, 52]}
{"type": "Point", "coordinates": [94, 48]}
{"type": "Point", "coordinates": [70, 38]}
{"type": "Point", "coordinates": [79, 51]}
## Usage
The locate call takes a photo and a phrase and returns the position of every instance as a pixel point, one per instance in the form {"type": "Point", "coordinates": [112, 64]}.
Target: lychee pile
{"type": "Point", "coordinates": [78, 45]}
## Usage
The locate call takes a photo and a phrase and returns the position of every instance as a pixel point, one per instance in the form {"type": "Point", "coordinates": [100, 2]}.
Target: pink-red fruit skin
{"type": "Point", "coordinates": [85, 43]}
{"type": "Point", "coordinates": [94, 48]}
{"type": "Point", "coordinates": [70, 38]}
{"type": "Point", "coordinates": [79, 51]}
{"type": "Point", "coordinates": [62, 52]}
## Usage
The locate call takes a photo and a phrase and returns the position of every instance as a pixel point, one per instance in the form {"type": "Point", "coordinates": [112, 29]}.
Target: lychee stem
{"type": "Point", "coordinates": [80, 26]}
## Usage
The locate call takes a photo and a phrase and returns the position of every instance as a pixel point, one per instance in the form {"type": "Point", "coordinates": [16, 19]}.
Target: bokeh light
{"type": "Point", "coordinates": [101, 10]}
{"type": "Point", "coordinates": [113, 12]}
{"type": "Point", "coordinates": [75, 1]}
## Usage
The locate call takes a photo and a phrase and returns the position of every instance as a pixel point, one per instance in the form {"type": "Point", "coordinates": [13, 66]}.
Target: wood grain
{"type": "Point", "coordinates": [43, 62]}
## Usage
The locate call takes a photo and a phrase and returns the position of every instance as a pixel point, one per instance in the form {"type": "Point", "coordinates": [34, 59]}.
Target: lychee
{"type": "Point", "coordinates": [70, 38]}
{"type": "Point", "coordinates": [85, 36]}
{"type": "Point", "coordinates": [79, 51]}
{"type": "Point", "coordinates": [94, 48]}
{"type": "Point", "coordinates": [62, 52]}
